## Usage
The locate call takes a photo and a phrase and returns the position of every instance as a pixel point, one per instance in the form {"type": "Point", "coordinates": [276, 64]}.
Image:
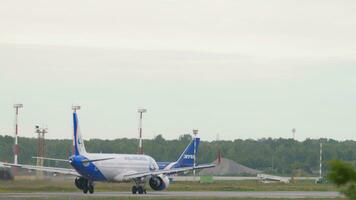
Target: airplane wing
{"type": "Point", "coordinates": [166, 171]}
{"type": "Point", "coordinates": [66, 171]}
{"type": "Point", "coordinates": [58, 170]}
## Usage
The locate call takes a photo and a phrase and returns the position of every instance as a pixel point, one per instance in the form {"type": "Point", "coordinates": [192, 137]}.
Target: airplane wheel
{"type": "Point", "coordinates": [91, 189]}
{"type": "Point", "coordinates": [85, 186]}
{"type": "Point", "coordinates": [134, 189]}
{"type": "Point", "coordinates": [140, 190]}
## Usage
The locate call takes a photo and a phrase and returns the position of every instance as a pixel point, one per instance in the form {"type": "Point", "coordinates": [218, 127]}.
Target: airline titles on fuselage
{"type": "Point", "coordinates": [135, 158]}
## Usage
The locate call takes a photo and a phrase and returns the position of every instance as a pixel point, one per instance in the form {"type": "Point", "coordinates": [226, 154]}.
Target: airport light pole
{"type": "Point", "coordinates": [293, 133]}
{"type": "Point", "coordinates": [140, 111]}
{"type": "Point", "coordinates": [75, 108]}
{"type": "Point", "coordinates": [321, 159]}
{"type": "Point", "coordinates": [16, 146]}
{"type": "Point", "coordinates": [218, 148]}
{"type": "Point", "coordinates": [40, 148]}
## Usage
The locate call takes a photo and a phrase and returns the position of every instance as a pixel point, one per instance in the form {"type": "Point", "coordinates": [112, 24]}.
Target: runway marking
{"type": "Point", "coordinates": [214, 194]}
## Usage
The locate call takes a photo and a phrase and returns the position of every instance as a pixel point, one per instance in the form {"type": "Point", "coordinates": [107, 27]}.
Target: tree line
{"type": "Point", "coordinates": [278, 156]}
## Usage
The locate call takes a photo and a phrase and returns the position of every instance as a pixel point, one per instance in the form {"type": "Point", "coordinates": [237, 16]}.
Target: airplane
{"type": "Point", "coordinates": [186, 159]}
{"type": "Point", "coordinates": [266, 178]}
{"type": "Point", "coordinates": [99, 167]}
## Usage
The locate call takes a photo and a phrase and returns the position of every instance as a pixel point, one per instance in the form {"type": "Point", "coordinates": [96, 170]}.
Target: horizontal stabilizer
{"type": "Point", "coordinates": [64, 160]}
{"type": "Point", "coordinates": [66, 171]}
{"type": "Point", "coordinates": [96, 160]}
{"type": "Point", "coordinates": [55, 159]}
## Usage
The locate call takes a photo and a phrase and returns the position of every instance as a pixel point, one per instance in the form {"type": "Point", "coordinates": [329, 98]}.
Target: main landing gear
{"type": "Point", "coordinates": [139, 187]}
{"type": "Point", "coordinates": [89, 188]}
{"type": "Point", "coordinates": [85, 185]}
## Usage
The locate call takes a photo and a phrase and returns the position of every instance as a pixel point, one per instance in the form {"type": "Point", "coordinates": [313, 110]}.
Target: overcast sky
{"type": "Point", "coordinates": [243, 69]}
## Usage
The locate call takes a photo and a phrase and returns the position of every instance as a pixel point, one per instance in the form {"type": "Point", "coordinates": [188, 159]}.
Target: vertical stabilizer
{"type": "Point", "coordinates": [188, 156]}
{"type": "Point", "coordinates": [78, 141]}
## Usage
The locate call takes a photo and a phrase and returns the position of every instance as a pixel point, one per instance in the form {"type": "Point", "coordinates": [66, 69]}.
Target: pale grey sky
{"type": "Point", "coordinates": [243, 69]}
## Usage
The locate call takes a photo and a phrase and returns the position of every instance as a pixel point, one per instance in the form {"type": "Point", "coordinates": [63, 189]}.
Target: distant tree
{"type": "Point", "coordinates": [185, 138]}
{"type": "Point", "coordinates": [344, 176]}
{"type": "Point", "coordinates": [283, 154]}
{"type": "Point", "coordinates": [159, 139]}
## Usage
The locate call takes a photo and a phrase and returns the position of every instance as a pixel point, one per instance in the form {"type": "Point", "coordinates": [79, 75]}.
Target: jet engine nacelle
{"type": "Point", "coordinates": [160, 182]}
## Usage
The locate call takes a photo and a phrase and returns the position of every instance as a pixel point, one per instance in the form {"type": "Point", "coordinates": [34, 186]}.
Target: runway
{"type": "Point", "coordinates": [216, 194]}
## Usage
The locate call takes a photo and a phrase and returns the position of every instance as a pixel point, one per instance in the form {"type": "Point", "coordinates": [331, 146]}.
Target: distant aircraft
{"type": "Point", "coordinates": [266, 178]}
{"type": "Point", "coordinates": [186, 159]}
{"type": "Point", "coordinates": [140, 169]}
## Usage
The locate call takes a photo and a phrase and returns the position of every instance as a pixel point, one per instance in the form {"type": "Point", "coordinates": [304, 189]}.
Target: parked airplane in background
{"type": "Point", "coordinates": [266, 178]}
{"type": "Point", "coordinates": [186, 159]}
{"type": "Point", "coordinates": [140, 169]}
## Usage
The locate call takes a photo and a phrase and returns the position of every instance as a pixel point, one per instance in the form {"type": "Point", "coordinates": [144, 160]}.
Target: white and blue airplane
{"type": "Point", "coordinates": [99, 167]}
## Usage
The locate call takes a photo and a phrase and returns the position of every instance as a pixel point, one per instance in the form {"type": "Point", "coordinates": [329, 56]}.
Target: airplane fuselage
{"type": "Point", "coordinates": [113, 169]}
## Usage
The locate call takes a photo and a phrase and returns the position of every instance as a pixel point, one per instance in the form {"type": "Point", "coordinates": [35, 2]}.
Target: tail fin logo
{"type": "Point", "coordinates": [189, 156]}
{"type": "Point", "coordinates": [79, 147]}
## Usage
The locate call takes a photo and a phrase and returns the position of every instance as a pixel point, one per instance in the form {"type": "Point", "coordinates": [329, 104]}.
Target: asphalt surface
{"type": "Point", "coordinates": [217, 194]}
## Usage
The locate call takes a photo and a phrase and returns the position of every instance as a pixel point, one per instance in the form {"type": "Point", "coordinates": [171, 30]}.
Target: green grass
{"type": "Point", "coordinates": [68, 186]}
{"type": "Point", "coordinates": [251, 186]}
{"type": "Point", "coordinates": [174, 198]}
